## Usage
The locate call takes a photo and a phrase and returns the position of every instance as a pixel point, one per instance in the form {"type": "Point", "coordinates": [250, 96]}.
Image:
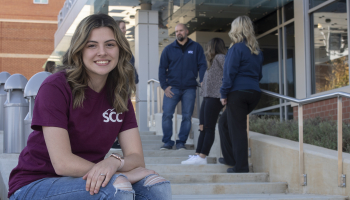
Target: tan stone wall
{"type": "Point", "coordinates": [280, 158]}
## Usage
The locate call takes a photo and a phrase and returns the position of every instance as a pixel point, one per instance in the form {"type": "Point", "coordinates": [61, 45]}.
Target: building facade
{"type": "Point", "coordinates": [305, 43]}
{"type": "Point", "coordinates": [27, 29]}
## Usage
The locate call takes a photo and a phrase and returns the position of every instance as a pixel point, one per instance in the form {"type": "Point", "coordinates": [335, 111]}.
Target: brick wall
{"type": "Point", "coordinates": [27, 38]}
{"type": "Point", "coordinates": [26, 9]}
{"type": "Point", "coordinates": [325, 109]}
{"type": "Point", "coordinates": [18, 38]}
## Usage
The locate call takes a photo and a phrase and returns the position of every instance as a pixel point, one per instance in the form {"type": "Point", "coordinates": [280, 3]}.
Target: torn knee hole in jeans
{"type": "Point", "coordinates": [153, 179]}
{"type": "Point", "coordinates": [122, 183]}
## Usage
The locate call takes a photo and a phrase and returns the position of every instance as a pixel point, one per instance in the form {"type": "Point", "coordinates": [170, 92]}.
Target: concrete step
{"type": "Point", "coordinates": [159, 153]}
{"type": "Point", "coordinates": [157, 146]}
{"type": "Point", "coordinates": [151, 146]}
{"type": "Point", "coordinates": [155, 142]}
{"type": "Point", "coordinates": [147, 133]}
{"type": "Point", "coordinates": [172, 160]}
{"type": "Point", "coordinates": [178, 168]}
{"type": "Point", "coordinates": [229, 188]}
{"type": "Point", "coordinates": [151, 137]}
{"type": "Point", "coordinates": [214, 177]}
{"type": "Point", "coordinates": [260, 197]}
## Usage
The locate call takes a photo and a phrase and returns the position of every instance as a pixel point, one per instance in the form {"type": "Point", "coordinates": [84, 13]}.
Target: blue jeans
{"type": "Point", "coordinates": [69, 188]}
{"type": "Point", "coordinates": [187, 98]}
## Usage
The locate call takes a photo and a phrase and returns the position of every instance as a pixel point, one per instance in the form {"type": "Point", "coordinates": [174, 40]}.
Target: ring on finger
{"type": "Point", "coordinates": [102, 174]}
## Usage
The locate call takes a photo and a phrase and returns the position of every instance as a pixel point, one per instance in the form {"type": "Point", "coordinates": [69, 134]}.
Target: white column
{"type": "Point", "coordinates": [146, 59]}
{"type": "Point", "coordinates": [302, 67]}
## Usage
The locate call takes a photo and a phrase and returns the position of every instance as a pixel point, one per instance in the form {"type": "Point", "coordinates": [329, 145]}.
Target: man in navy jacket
{"type": "Point", "coordinates": [179, 65]}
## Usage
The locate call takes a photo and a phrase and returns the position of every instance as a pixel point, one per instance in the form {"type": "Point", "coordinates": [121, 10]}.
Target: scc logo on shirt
{"type": "Point", "coordinates": [111, 115]}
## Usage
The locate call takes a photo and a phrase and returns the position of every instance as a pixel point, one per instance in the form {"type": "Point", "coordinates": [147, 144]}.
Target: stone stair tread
{"type": "Point", "coordinates": [232, 183]}
{"type": "Point", "coordinates": [260, 197]}
{"type": "Point", "coordinates": [229, 188]}
{"type": "Point", "coordinates": [179, 168]}
{"type": "Point", "coordinates": [160, 153]}
{"type": "Point", "coordinates": [173, 160]}
{"type": "Point", "coordinates": [179, 178]}
{"type": "Point", "coordinates": [147, 133]}
{"type": "Point", "coordinates": [217, 173]}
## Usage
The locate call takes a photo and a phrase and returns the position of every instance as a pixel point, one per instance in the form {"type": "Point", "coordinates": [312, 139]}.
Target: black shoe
{"type": "Point", "coordinates": [233, 170]}
{"type": "Point", "coordinates": [116, 145]}
{"type": "Point", "coordinates": [222, 161]}
{"type": "Point", "coordinates": [180, 146]}
{"type": "Point", "coordinates": [166, 147]}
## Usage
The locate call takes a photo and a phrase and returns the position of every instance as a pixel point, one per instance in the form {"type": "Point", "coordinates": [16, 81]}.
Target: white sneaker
{"type": "Point", "coordinates": [195, 160]}
{"type": "Point", "coordinates": [190, 157]}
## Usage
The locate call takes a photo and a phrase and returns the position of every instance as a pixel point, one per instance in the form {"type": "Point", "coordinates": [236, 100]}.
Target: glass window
{"type": "Point", "coordinates": [270, 80]}
{"type": "Point", "coordinates": [41, 1]}
{"type": "Point", "coordinates": [266, 23]}
{"type": "Point", "coordinates": [314, 3]}
{"type": "Point", "coordinates": [290, 64]}
{"type": "Point", "coordinates": [289, 11]}
{"type": "Point", "coordinates": [329, 37]}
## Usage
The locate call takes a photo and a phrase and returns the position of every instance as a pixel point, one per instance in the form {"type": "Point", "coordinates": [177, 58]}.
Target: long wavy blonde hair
{"type": "Point", "coordinates": [214, 46]}
{"type": "Point", "coordinates": [242, 28]}
{"type": "Point", "coordinates": [121, 80]}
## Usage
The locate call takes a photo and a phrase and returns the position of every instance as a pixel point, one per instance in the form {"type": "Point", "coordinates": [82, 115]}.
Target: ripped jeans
{"type": "Point", "coordinates": [152, 187]}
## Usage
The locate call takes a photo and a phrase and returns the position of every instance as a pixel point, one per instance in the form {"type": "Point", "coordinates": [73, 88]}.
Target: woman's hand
{"type": "Point", "coordinates": [223, 101]}
{"type": "Point", "coordinates": [137, 174]}
{"type": "Point", "coordinates": [100, 174]}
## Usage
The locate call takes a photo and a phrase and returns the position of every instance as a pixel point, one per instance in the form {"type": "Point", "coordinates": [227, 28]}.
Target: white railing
{"type": "Point", "coordinates": [63, 12]}
{"type": "Point", "coordinates": [150, 105]}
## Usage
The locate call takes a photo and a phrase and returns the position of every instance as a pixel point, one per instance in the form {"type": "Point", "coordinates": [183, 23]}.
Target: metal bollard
{"type": "Point", "coordinates": [30, 92]}
{"type": "Point", "coordinates": [16, 108]}
{"type": "Point", "coordinates": [3, 77]}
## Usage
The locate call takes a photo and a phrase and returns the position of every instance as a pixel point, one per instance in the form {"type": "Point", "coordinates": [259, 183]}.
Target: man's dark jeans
{"type": "Point", "coordinates": [233, 128]}
{"type": "Point", "coordinates": [187, 98]}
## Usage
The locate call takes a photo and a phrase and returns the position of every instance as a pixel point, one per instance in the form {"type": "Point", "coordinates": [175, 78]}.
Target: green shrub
{"type": "Point", "coordinates": [318, 131]}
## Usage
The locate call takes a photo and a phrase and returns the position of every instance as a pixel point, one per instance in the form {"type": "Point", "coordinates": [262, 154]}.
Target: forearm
{"type": "Point", "coordinates": [132, 161]}
{"type": "Point", "coordinates": [73, 166]}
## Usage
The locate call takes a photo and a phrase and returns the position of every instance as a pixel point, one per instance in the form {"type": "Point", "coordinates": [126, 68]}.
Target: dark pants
{"type": "Point", "coordinates": [233, 128]}
{"type": "Point", "coordinates": [209, 114]}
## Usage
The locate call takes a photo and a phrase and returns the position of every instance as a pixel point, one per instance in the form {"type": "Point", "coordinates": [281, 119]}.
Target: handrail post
{"type": "Point", "coordinates": [153, 121]}
{"type": "Point", "coordinates": [175, 124]}
{"type": "Point", "coordinates": [341, 176]}
{"type": "Point", "coordinates": [249, 152]}
{"type": "Point", "coordinates": [148, 105]}
{"type": "Point", "coordinates": [303, 177]}
{"type": "Point", "coordinates": [249, 149]}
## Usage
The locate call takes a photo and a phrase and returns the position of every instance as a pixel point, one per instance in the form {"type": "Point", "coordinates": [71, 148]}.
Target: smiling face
{"type": "Point", "coordinates": [181, 32]}
{"type": "Point", "coordinates": [122, 27]}
{"type": "Point", "coordinates": [101, 53]}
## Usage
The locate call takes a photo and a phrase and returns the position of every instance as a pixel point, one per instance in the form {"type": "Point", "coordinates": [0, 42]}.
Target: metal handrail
{"type": "Point", "coordinates": [150, 102]}
{"type": "Point", "coordinates": [301, 102]}
{"type": "Point", "coordinates": [307, 100]}
{"type": "Point", "coordinates": [150, 118]}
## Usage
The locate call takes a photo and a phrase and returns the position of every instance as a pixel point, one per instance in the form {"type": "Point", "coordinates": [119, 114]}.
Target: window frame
{"type": "Point", "coordinates": [309, 49]}
{"type": "Point", "coordinates": [41, 2]}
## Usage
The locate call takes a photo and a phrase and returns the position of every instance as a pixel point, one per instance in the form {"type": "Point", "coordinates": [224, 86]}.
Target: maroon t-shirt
{"type": "Point", "coordinates": [92, 129]}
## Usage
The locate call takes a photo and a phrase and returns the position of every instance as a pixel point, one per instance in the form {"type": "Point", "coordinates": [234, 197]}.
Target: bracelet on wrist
{"type": "Point", "coordinates": [116, 156]}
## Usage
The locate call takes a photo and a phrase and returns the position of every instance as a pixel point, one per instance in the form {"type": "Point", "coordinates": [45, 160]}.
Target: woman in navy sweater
{"type": "Point", "coordinates": [240, 93]}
